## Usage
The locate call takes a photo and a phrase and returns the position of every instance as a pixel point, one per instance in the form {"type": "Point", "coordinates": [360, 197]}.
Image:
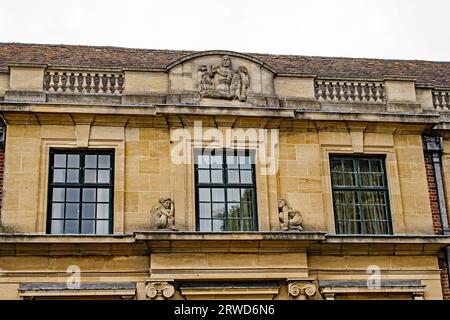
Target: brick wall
{"type": "Point", "coordinates": [437, 221]}
{"type": "Point", "coordinates": [2, 167]}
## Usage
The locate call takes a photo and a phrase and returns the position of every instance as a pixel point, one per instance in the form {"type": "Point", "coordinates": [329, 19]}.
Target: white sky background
{"type": "Point", "coordinates": [396, 29]}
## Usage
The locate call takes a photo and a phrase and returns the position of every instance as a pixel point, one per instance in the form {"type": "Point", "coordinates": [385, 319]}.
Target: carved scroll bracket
{"type": "Point", "coordinates": [159, 290]}
{"type": "Point", "coordinates": [301, 290]}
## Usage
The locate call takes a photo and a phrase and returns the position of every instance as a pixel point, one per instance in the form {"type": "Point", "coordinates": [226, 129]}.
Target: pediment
{"type": "Point", "coordinates": [222, 77]}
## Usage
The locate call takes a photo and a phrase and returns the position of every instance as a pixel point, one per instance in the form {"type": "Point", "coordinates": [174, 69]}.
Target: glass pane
{"type": "Point", "coordinates": [205, 210]}
{"type": "Point", "coordinates": [337, 179]}
{"type": "Point", "coordinates": [88, 210]}
{"type": "Point", "coordinates": [203, 176]}
{"type": "Point", "coordinates": [59, 161]}
{"type": "Point", "coordinates": [234, 210]}
{"type": "Point", "coordinates": [203, 161]}
{"type": "Point", "coordinates": [104, 161]}
{"type": "Point", "coordinates": [366, 180]}
{"type": "Point", "coordinates": [234, 225]}
{"type": "Point", "coordinates": [348, 166]}
{"type": "Point", "coordinates": [90, 161]}
{"type": "Point", "coordinates": [218, 194]}
{"type": "Point", "coordinates": [103, 176]}
{"type": "Point", "coordinates": [349, 173]}
{"type": "Point", "coordinates": [103, 195]}
{"type": "Point", "coordinates": [102, 227]}
{"type": "Point", "coordinates": [72, 226]}
{"type": "Point", "coordinates": [88, 226]}
{"type": "Point", "coordinates": [244, 162]}
{"type": "Point", "coordinates": [232, 162]}
{"type": "Point", "coordinates": [73, 195]}
{"type": "Point", "coordinates": [339, 198]}
{"type": "Point", "coordinates": [59, 194]}
{"type": "Point", "coordinates": [58, 210]}
{"type": "Point", "coordinates": [218, 210]}
{"type": "Point", "coordinates": [218, 225]}
{"type": "Point", "coordinates": [364, 166]}
{"type": "Point", "coordinates": [216, 176]}
{"type": "Point", "coordinates": [233, 195]}
{"type": "Point", "coordinates": [59, 175]}
{"type": "Point", "coordinates": [205, 225]}
{"type": "Point", "coordinates": [246, 176]}
{"type": "Point", "coordinates": [57, 226]}
{"type": "Point", "coordinates": [89, 195]}
{"type": "Point", "coordinates": [336, 165]}
{"type": "Point", "coordinates": [247, 195]}
{"type": "Point", "coordinates": [73, 161]}
{"type": "Point", "coordinates": [247, 225]}
{"type": "Point", "coordinates": [204, 194]}
{"type": "Point", "coordinates": [102, 211]}
{"type": "Point", "coordinates": [376, 227]}
{"type": "Point", "coordinates": [375, 166]}
{"type": "Point", "coordinates": [73, 175]}
{"type": "Point", "coordinates": [247, 210]}
{"type": "Point", "coordinates": [90, 176]}
{"type": "Point", "coordinates": [72, 210]}
{"type": "Point", "coordinates": [233, 176]}
{"type": "Point", "coordinates": [216, 162]}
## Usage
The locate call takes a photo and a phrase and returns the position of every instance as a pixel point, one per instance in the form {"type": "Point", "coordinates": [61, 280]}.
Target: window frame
{"type": "Point", "coordinates": [80, 185]}
{"type": "Point", "coordinates": [360, 188]}
{"type": "Point", "coordinates": [225, 185]}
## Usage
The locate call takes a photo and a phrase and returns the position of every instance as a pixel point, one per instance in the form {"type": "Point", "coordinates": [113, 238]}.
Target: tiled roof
{"type": "Point", "coordinates": [426, 72]}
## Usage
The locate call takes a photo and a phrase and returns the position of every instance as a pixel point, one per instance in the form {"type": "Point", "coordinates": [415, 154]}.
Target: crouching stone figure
{"type": "Point", "coordinates": [162, 215]}
{"type": "Point", "coordinates": [289, 219]}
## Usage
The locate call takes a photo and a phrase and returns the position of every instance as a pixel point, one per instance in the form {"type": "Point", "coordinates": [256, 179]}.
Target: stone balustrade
{"type": "Point", "coordinates": [83, 82]}
{"type": "Point", "coordinates": [349, 91]}
{"type": "Point", "coordinates": [441, 100]}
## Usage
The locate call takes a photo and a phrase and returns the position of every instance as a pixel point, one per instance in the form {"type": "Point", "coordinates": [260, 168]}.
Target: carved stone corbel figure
{"type": "Point", "coordinates": [289, 219]}
{"type": "Point", "coordinates": [159, 290]}
{"type": "Point", "coordinates": [162, 215]}
{"type": "Point", "coordinates": [301, 290]}
{"type": "Point", "coordinates": [221, 81]}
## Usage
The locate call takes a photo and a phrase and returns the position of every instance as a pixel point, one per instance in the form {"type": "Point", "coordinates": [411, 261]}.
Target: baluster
{"type": "Point", "coordinates": [344, 91]}
{"type": "Point", "coordinates": [108, 83]}
{"type": "Point", "coordinates": [121, 84]}
{"type": "Point", "coordinates": [58, 82]}
{"type": "Point", "coordinates": [76, 87]}
{"type": "Point", "coordinates": [113, 83]}
{"type": "Point", "coordinates": [377, 92]}
{"type": "Point", "coordinates": [83, 83]}
{"type": "Point", "coordinates": [322, 90]}
{"type": "Point", "coordinates": [444, 101]}
{"type": "Point", "coordinates": [435, 101]}
{"type": "Point", "coordinates": [64, 82]}
{"type": "Point", "coordinates": [51, 85]}
{"type": "Point", "coordinates": [360, 91]}
{"type": "Point", "coordinates": [88, 83]}
{"type": "Point", "coordinates": [93, 86]}
{"type": "Point", "coordinates": [370, 94]}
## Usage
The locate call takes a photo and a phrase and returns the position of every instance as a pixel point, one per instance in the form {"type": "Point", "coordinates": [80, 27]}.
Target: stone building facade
{"type": "Point", "coordinates": [155, 174]}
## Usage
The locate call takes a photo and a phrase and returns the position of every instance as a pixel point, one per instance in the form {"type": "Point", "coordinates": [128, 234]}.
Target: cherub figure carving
{"type": "Point", "coordinates": [162, 215]}
{"type": "Point", "coordinates": [290, 219]}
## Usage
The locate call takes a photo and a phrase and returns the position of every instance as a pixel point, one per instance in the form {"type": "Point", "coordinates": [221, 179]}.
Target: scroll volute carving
{"type": "Point", "coordinates": [160, 290]}
{"type": "Point", "coordinates": [300, 290]}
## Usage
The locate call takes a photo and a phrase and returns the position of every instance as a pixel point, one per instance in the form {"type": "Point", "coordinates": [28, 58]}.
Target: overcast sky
{"type": "Point", "coordinates": [397, 29]}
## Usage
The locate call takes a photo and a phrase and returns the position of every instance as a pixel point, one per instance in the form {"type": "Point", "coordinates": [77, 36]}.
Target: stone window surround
{"type": "Point", "coordinates": [392, 178]}
{"type": "Point", "coordinates": [47, 144]}
{"type": "Point", "coordinates": [267, 207]}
